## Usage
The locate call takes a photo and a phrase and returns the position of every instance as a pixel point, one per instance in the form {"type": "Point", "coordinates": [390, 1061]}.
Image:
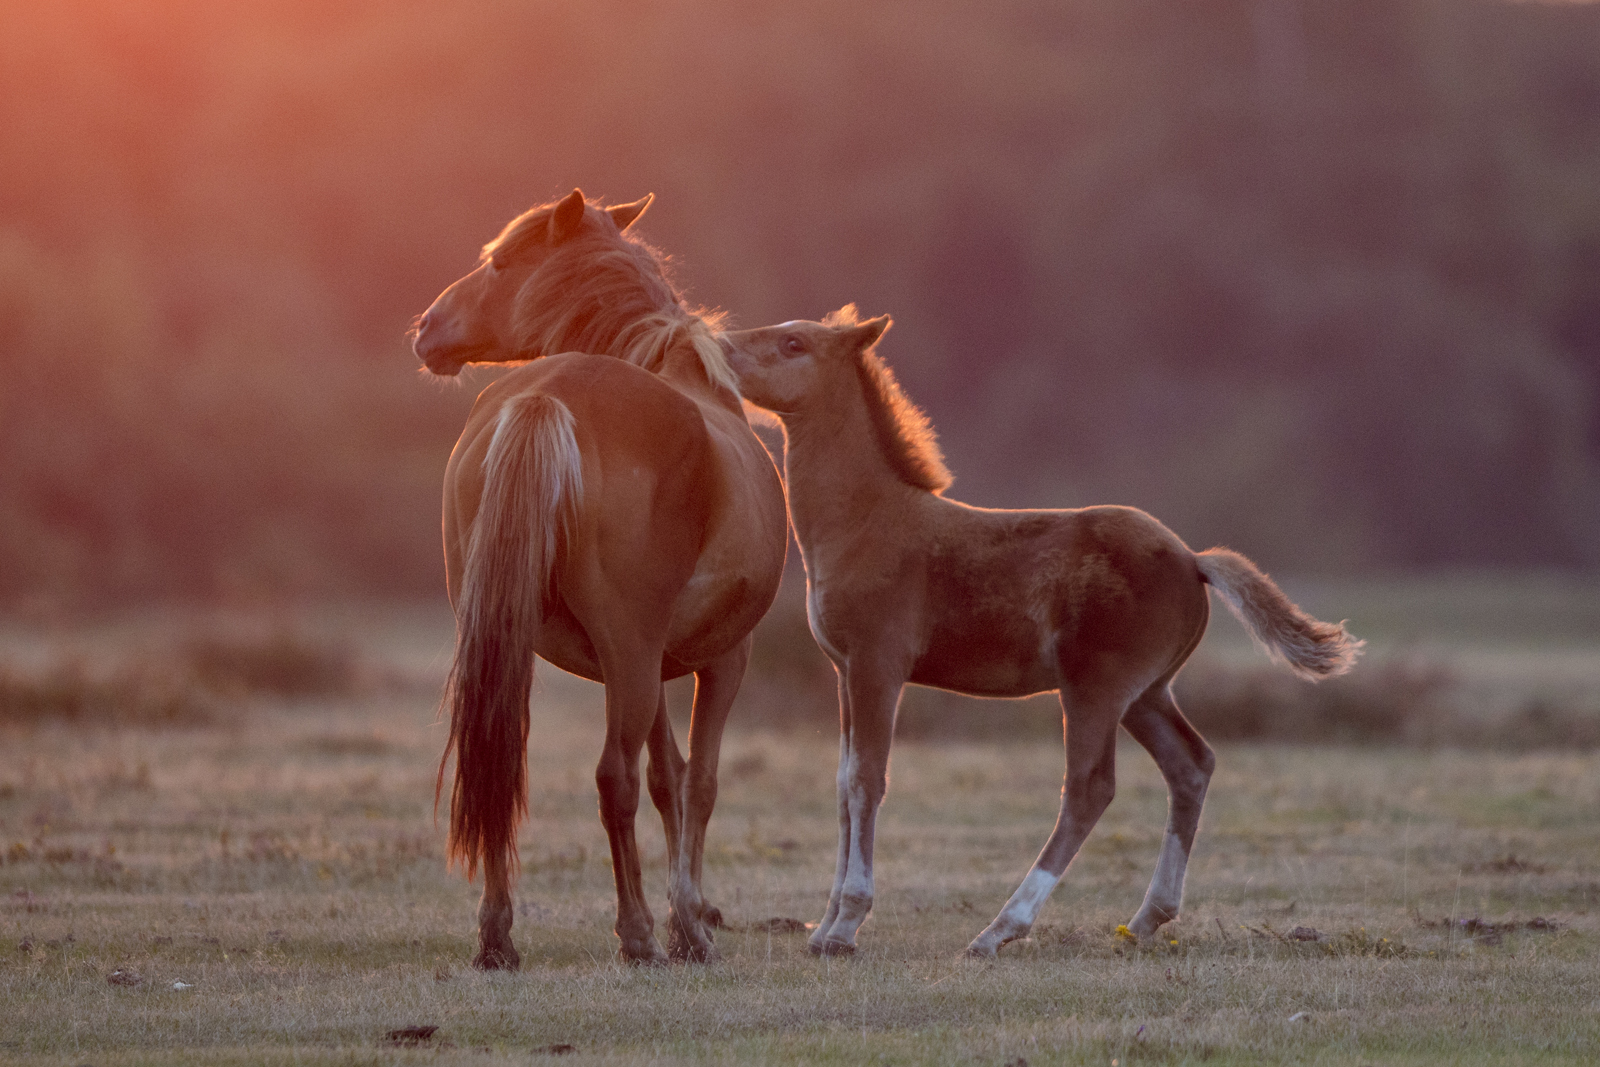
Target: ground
{"type": "Point", "coordinates": [268, 887]}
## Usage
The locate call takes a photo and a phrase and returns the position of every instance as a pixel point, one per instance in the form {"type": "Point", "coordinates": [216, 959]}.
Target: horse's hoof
{"type": "Point", "coordinates": [712, 917]}
{"type": "Point", "coordinates": [497, 959]}
{"type": "Point", "coordinates": [643, 951]}
{"type": "Point", "coordinates": [976, 951]}
{"type": "Point", "coordinates": [685, 950]}
{"type": "Point", "coordinates": [708, 954]}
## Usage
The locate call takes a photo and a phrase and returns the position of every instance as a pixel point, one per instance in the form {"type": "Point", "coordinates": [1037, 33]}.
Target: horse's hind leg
{"type": "Point", "coordinates": [633, 696]}
{"type": "Point", "coordinates": [664, 775]}
{"type": "Point", "coordinates": [495, 913]}
{"type": "Point", "coordinates": [1091, 719]}
{"type": "Point", "coordinates": [1186, 762]}
{"type": "Point", "coordinates": [691, 917]}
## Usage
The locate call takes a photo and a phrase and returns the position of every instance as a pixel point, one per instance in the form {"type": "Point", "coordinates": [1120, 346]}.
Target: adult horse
{"type": "Point", "coordinates": [608, 508]}
{"type": "Point", "coordinates": [1102, 604]}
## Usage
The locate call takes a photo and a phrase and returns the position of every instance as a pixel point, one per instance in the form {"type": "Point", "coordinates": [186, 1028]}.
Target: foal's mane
{"type": "Point", "coordinates": [605, 291]}
{"type": "Point", "coordinates": [903, 431]}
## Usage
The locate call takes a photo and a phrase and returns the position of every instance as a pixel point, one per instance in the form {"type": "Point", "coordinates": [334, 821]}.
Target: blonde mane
{"type": "Point", "coordinates": [605, 292]}
{"type": "Point", "coordinates": [904, 434]}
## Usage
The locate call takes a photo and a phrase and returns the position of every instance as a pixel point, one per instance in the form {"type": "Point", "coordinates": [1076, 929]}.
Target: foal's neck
{"type": "Point", "coordinates": [840, 482]}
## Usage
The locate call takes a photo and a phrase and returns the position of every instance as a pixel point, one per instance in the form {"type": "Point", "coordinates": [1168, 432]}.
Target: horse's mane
{"type": "Point", "coordinates": [904, 433]}
{"type": "Point", "coordinates": [615, 299]}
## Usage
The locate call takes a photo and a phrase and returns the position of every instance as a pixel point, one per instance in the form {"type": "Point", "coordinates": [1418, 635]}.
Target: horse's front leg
{"type": "Point", "coordinates": [633, 696]}
{"type": "Point", "coordinates": [873, 698]}
{"type": "Point", "coordinates": [691, 917]}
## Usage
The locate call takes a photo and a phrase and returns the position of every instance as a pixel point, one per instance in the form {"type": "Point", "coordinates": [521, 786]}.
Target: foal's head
{"type": "Point", "coordinates": [560, 277]}
{"type": "Point", "coordinates": [798, 369]}
{"type": "Point", "coordinates": [799, 366]}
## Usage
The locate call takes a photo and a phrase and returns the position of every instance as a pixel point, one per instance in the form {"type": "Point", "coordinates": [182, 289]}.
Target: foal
{"type": "Point", "coordinates": [1103, 604]}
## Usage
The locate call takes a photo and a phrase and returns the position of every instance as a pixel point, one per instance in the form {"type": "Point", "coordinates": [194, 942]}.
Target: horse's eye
{"type": "Point", "coordinates": [793, 346]}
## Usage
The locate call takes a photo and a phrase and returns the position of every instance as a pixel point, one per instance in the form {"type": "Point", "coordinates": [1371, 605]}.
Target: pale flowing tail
{"type": "Point", "coordinates": [1310, 648]}
{"type": "Point", "coordinates": [533, 484]}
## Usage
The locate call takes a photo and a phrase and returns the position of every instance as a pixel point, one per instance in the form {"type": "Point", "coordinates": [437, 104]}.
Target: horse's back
{"type": "Point", "coordinates": [669, 518]}
{"type": "Point", "coordinates": [637, 435]}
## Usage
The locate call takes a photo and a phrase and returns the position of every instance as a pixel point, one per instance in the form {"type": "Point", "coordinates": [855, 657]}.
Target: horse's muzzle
{"type": "Point", "coordinates": [429, 347]}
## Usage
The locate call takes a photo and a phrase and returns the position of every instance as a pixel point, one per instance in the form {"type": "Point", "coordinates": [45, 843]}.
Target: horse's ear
{"type": "Point", "coordinates": [866, 335]}
{"type": "Point", "coordinates": [625, 215]}
{"type": "Point", "coordinates": [567, 217]}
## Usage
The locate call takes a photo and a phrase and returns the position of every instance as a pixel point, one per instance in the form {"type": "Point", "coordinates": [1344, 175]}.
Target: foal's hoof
{"type": "Point", "coordinates": [832, 948]}
{"type": "Point", "coordinates": [987, 946]}
{"type": "Point", "coordinates": [497, 959]}
{"type": "Point", "coordinates": [712, 917]}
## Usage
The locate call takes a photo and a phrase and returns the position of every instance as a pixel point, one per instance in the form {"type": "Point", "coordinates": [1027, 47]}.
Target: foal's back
{"type": "Point", "coordinates": [1011, 599]}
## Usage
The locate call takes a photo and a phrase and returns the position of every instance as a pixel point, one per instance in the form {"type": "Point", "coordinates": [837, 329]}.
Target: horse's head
{"type": "Point", "coordinates": [485, 317]}
{"type": "Point", "coordinates": [790, 367]}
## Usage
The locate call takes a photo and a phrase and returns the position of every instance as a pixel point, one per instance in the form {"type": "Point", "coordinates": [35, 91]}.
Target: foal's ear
{"type": "Point", "coordinates": [567, 217]}
{"type": "Point", "coordinates": [862, 337]}
{"type": "Point", "coordinates": [625, 215]}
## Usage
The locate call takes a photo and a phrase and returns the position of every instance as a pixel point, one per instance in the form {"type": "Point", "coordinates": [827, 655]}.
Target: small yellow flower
{"type": "Point", "coordinates": [1122, 933]}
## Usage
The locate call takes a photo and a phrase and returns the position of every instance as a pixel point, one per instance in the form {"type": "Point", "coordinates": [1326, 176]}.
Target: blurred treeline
{"type": "Point", "coordinates": [1316, 278]}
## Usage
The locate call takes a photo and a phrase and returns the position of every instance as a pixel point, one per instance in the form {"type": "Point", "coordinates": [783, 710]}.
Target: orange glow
{"type": "Point", "coordinates": [1191, 265]}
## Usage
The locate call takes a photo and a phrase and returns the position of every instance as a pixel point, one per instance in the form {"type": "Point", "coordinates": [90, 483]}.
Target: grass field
{"type": "Point", "coordinates": [264, 885]}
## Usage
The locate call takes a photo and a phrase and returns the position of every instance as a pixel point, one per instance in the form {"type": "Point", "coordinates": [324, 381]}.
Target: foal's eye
{"type": "Point", "coordinates": [793, 346]}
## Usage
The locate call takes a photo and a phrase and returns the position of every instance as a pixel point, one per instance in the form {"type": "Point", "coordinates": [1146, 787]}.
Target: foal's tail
{"type": "Point", "coordinates": [1311, 649]}
{"type": "Point", "coordinates": [528, 510]}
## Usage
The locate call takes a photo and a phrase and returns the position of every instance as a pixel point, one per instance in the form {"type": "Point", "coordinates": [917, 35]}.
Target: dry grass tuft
{"type": "Point", "coordinates": [283, 664]}
{"type": "Point", "coordinates": [188, 684]}
{"type": "Point", "coordinates": [148, 694]}
{"type": "Point", "coordinates": [1386, 700]}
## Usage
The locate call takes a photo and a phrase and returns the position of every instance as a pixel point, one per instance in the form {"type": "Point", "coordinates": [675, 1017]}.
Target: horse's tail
{"type": "Point", "coordinates": [1310, 648]}
{"type": "Point", "coordinates": [532, 487]}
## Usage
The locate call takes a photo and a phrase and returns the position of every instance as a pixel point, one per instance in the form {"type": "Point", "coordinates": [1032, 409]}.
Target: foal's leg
{"type": "Point", "coordinates": [873, 700]}
{"type": "Point", "coordinates": [495, 950]}
{"type": "Point", "coordinates": [715, 687]}
{"type": "Point", "coordinates": [633, 696]}
{"type": "Point", "coordinates": [1091, 719]}
{"type": "Point", "coordinates": [819, 936]}
{"type": "Point", "coordinates": [1186, 762]}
